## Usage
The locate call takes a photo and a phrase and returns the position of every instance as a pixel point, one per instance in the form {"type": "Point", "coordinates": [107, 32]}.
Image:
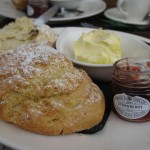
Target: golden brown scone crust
{"type": "Point", "coordinates": [20, 4]}
{"type": "Point", "coordinates": [41, 91]}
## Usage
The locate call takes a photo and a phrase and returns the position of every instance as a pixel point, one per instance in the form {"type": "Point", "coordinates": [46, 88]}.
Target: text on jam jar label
{"type": "Point", "coordinates": [131, 107]}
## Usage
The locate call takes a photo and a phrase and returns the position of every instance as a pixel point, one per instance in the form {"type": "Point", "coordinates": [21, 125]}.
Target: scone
{"type": "Point", "coordinates": [23, 31]}
{"type": "Point", "coordinates": [20, 4]}
{"type": "Point", "coordinates": [41, 91]}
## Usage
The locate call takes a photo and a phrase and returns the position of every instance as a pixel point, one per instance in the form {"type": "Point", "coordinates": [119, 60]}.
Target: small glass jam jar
{"type": "Point", "coordinates": [37, 7]}
{"type": "Point", "coordinates": [131, 89]}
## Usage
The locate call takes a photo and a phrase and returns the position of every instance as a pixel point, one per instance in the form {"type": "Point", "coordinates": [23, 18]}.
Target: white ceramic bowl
{"type": "Point", "coordinates": [68, 4]}
{"type": "Point", "coordinates": [131, 47]}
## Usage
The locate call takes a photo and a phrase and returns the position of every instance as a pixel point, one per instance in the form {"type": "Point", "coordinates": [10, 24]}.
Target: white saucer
{"type": "Point", "coordinates": [89, 8]}
{"type": "Point", "coordinates": [114, 14]}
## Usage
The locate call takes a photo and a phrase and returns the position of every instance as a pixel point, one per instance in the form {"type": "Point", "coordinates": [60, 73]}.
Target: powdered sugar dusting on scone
{"type": "Point", "coordinates": [94, 96]}
{"type": "Point", "coordinates": [30, 61]}
{"type": "Point", "coordinates": [24, 57]}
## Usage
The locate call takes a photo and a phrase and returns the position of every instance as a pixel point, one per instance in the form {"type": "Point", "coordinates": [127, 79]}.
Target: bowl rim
{"type": "Point", "coordinates": [89, 64]}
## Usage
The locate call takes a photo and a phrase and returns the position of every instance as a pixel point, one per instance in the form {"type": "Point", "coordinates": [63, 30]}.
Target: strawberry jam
{"type": "Point", "coordinates": [36, 7]}
{"type": "Point", "coordinates": [131, 89]}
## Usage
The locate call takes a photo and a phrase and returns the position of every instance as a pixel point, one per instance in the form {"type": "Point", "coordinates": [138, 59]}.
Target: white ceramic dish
{"type": "Point", "coordinates": [131, 47]}
{"type": "Point", "coordinates": [116, 135]}
{"type": "Point", "coordinates": [114, 14]}
{"type": "Point", "coordinates": [90, 8]}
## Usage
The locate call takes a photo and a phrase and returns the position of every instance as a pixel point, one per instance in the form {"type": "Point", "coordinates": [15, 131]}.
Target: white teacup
{"type": "Point", "coordinates": [134, 10]}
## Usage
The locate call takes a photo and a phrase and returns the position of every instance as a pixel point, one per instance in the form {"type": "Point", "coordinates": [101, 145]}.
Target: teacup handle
{"type": "Point", "coordinates": [120, 3]}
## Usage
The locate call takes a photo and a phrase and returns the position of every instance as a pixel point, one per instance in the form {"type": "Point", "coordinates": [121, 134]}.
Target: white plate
{"type": "Point", "coordinates": [116, 135]}
{"type": "Point", "coordinates": [90, 8]}
{"type": "Point", "coordinates": [130, 45]}
{"type": "Point", "coordinates": [114, 14]}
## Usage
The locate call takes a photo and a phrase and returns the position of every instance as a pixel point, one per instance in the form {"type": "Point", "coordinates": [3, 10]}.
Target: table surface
{"type": "Point", "coordinates": [95, 21]}
{"type": "Point", "coordinates": [98, 21]}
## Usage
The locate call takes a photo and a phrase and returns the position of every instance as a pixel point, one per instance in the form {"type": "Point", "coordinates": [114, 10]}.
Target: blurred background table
{"type": "Point", "coordinates": [97, 21]}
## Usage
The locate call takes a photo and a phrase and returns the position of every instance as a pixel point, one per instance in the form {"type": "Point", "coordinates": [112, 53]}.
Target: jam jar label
{"type": "Point", "coordinates": [131, 107]}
